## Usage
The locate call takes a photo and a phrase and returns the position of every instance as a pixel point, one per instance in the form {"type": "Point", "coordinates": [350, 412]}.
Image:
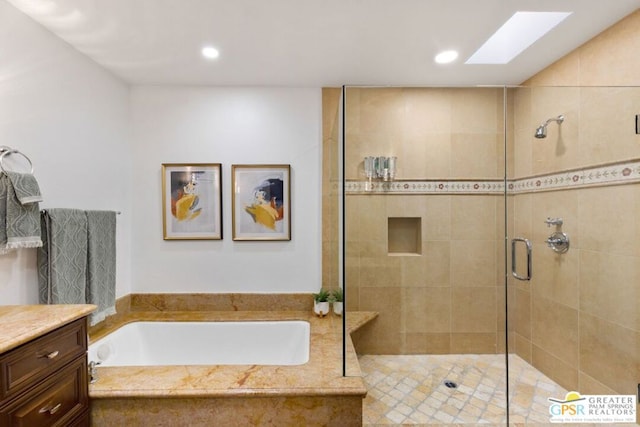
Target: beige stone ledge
{"type": "Point", "coordinates": [320, 376]}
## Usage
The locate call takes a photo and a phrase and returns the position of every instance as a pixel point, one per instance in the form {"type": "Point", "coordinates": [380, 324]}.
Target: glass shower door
{"type": "Point", "coordinates": [573, 328]}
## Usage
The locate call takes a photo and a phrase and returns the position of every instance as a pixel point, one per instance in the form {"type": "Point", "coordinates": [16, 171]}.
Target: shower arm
{"type": "Point", "coordinates": [558, 119]}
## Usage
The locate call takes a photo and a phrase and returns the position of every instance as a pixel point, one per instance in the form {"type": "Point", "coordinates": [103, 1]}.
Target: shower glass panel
{"type": "Point", "coordinates": [426, 252]}
{"type": "Point", "coordinates": [576, 320]}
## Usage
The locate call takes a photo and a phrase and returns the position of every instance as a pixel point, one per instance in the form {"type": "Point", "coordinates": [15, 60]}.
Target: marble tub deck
{"type": "Point", "coordinates": [315, 390]}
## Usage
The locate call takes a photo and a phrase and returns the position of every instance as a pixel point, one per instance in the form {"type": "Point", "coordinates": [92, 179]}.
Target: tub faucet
{"type": "Point", "coordinates": [93, 372]}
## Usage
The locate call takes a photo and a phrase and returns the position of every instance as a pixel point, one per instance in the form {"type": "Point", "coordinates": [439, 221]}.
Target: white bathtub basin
{"type": "Point", "coordinates": [204, 343]}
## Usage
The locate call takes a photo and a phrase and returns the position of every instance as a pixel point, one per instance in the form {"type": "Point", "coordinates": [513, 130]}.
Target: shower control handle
{"type": "Point", "coordinates": [514, 272]}
{"type": "Point", "coordinates": [559, 242]}
{"type": "Point", "coordinates": [553, 221]}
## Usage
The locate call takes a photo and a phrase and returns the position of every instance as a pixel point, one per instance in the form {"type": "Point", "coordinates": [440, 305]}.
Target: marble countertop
{"type": "Point", "coordinates": [22, 323]}
{"type": "Point", "coordinates": [321, 375]}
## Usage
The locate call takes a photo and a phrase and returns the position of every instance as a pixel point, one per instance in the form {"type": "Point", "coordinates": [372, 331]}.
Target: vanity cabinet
{"type": "Point", "coordinates": [44, 383]}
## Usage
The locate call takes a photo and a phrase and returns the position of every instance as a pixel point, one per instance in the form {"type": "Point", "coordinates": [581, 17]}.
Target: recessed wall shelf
{"type": "Point", "coordinates": [405, 236]}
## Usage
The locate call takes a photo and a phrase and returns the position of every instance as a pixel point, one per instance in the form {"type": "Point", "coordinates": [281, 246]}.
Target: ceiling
{"type": "Point", "coordinates": [311, 42]}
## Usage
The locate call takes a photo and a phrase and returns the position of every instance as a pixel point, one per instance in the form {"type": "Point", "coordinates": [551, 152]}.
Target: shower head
{"type": "Point", "coordinates": [541, 131]}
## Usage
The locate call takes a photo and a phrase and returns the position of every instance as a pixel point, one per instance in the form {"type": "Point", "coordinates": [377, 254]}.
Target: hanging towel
{"type": "Point", "coordinates": [26, 187]}
{"type": "Point", "coordinates": [101, 263]}
{"type": "Point", "coordinates": [62, 260]}
{"type": "Point", "coordinates": [4, 186]}
{"type": "Point", "coordinates": [19, 212]}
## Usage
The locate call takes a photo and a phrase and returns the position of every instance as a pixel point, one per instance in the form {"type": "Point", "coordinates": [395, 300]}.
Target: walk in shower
{"type": "Point", "coordinates": [467, 332]}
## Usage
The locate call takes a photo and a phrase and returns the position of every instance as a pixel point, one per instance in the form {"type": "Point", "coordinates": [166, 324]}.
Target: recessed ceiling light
{"type": "Point", "coordinates": [210, 52]}
{"type": "Point", "coordinates": [518, 33]}
{"type": "Point", "coordinates": [446, 56]}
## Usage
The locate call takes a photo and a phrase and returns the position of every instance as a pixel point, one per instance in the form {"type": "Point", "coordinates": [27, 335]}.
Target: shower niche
{"type": "Point", "coordinates": [404, 236]}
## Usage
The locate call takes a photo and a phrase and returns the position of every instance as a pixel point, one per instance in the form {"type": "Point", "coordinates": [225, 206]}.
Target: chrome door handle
{"type": "Point", "coordinates": [513, 258]}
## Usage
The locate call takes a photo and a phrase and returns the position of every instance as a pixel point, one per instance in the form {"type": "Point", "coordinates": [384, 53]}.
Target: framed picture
{"type": "Point", "coordinates": [261, 202]}
{"type": "Point", "coordinates": [192, 201]}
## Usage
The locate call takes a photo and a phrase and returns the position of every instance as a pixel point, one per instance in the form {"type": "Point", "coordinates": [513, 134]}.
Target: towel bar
{"type": "Point", "coordinates": [44, 211]}
{"type": "Point", "coordinates": [5, 151]}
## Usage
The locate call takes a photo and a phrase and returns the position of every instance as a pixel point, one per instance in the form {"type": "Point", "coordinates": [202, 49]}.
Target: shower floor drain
{"type": "Point", "coordinates": [450, 384]}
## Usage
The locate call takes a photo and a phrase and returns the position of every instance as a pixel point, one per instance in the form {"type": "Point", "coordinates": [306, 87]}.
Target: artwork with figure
{"type": "Point", "coordinates": [184, 195]}
{"type": "Point", "coordinates": [192, 199]}
{"type": "Point", "coordinates": [267, 206]}
{"type": "Point", "coordinates": [261, 202]}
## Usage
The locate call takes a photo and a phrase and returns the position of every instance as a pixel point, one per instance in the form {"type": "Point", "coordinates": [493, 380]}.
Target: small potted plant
{"type": "Point", "coordinates": [321, 302]}
{"type": "Point", "coordinates": [337, 298]}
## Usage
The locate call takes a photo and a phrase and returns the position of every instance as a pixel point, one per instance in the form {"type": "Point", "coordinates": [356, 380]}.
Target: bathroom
{"type": "Point", "coordinates": [132, 130]}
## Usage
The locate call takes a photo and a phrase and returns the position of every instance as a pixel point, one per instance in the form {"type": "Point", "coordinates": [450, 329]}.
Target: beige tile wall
{"type": "Point", "coordinates": [609, 59]}
{"type": "Point", "coordinates": [596, 120]}
{"type": "Point", "coordinates": [330, 130]}
{"type": "Point", "coordinates": [445, 298]}
{"type": "Point", "coordinates": [594, 288]}
{"type": "Point", "coordinates": [424, 127]}
{"type": "Point", "coordinates": [578, 320]}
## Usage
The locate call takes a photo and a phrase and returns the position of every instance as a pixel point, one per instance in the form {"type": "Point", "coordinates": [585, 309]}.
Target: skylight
{"type": "Point", "coordinates": [518, 33]}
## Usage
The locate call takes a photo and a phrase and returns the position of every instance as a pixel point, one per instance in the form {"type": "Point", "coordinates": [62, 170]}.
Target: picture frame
{"type": "Point", "coordinates": [192, 201]}
{"type": "Point", "coordinates": [261, 202]}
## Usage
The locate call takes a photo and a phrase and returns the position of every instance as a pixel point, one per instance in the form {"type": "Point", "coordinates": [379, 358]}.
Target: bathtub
{"type": "Point", "coordinates": [204, 343]}
{"type": "Point", "coordinates": [205, 395]}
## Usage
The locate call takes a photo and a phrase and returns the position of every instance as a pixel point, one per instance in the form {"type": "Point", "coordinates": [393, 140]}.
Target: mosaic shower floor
{"type": "Point", "coordinates": [405, 390]}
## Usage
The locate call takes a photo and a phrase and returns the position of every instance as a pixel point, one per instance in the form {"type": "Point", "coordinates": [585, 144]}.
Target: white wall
{"type": "Point", "coordinates": [75, 121]}
{"type": "Point", "coordinates": [72, 119]}
{"type": "Point", "coordinates": [228, 126]}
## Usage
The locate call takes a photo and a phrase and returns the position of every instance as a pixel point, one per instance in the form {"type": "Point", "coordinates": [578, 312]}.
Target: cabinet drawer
{"type": "Point", "coordinates": [55, 402]}
{"type": "Point", "coordinates": [23, 366]}
{"type": "Point", "coordinates": [81, 421]}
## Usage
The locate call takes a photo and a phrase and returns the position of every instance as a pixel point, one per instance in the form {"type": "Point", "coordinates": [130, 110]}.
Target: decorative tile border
{"type": "Point", "coordinates": [627, 172]}
{"type": "Point", "coordinates": [612, 174]}
{"type": "Point", "coordinates": [453, 186]}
